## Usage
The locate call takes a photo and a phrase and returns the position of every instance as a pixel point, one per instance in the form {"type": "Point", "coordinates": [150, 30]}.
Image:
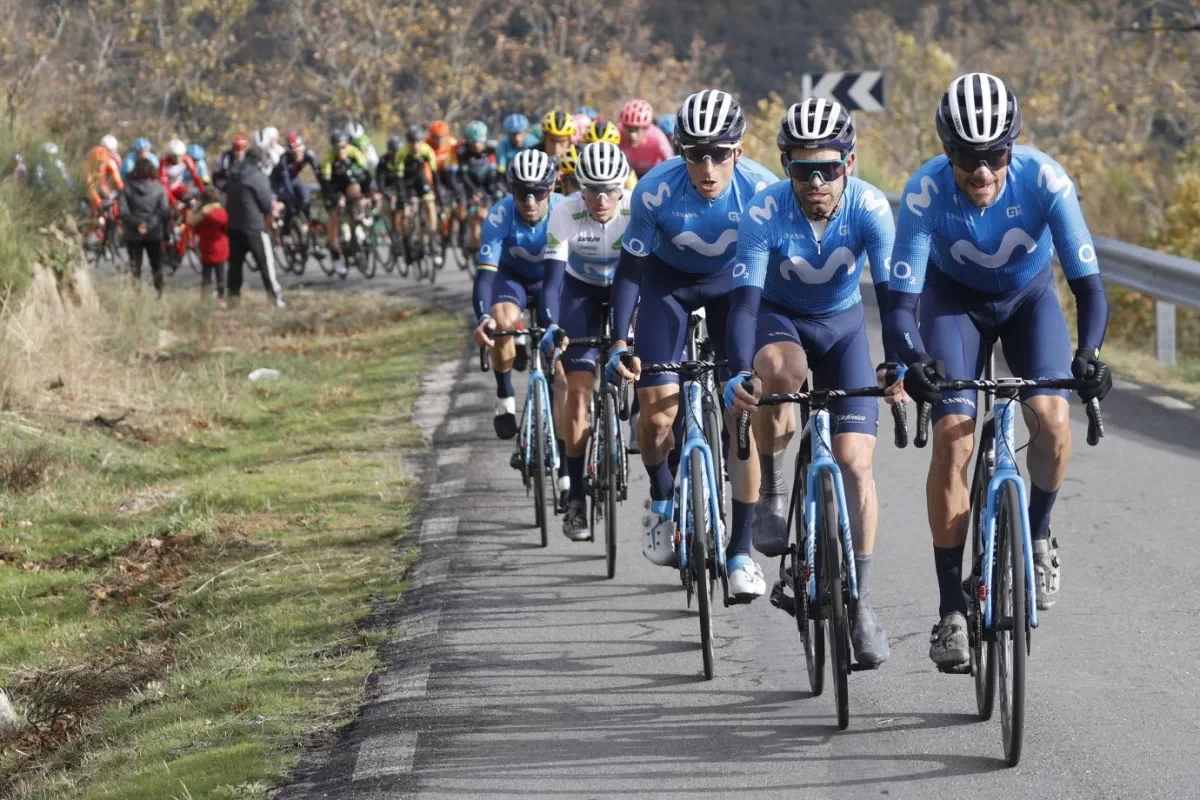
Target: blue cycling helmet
{"type": "Point", "coordinates": [515, 123]}
{"type": "Point", "coordinates": [196, 152]}
{"type": "Point", "coordinates": [141, 143]}
{"type": "Point", "coordinates": [666, 124]}
{"type": "Point", "coordinates": [588, 112]}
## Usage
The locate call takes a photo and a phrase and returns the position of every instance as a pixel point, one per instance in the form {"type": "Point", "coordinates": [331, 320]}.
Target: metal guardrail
{"type": "Point", "coordinates": [1169, 279]}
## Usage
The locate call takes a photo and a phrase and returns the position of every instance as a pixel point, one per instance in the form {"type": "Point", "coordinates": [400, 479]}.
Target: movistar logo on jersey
{"type": "Point", "coordinates": [1057, 184]}
{"type": "Point", "coordinates": [807, 273]}
{"type": "Point", "coordinates": [497, 216]}
{"type": "Point", "coordinates": [763, 214]}
{"type": "Point", "coordinates": [874, 203]}
{"type": "Point", "coordinates": [655, 200]}
{"type": "Point", "coordinates": [961, 250]}
{"type": "Point", "coordinates": [693, 241]}
{"type": "Point", "coordinates": [522, 253]}
{"type": "Point", "coordinates": [923, 198]}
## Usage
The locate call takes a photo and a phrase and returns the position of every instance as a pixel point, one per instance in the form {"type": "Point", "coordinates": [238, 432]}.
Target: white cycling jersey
{"type": "Point", "coordinates": [591, 250]}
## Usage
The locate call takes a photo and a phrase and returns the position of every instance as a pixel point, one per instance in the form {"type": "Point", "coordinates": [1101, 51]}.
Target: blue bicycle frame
{"type": "Point", "coordinates": [818, 432]}
{"type": "Point", "coordinates": [694, 440]}
{"type": "Point", "coordinates": [1005, 472]}
{"type": "Point", "coordinates": [538, 384]}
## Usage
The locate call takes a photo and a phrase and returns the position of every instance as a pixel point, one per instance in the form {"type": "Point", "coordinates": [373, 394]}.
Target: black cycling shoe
{"type": "Point", "coordinates": [516, 461]}
{"type": "Point", "coordinates": [505, 425]}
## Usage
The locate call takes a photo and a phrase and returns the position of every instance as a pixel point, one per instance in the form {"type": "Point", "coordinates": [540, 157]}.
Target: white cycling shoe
{"type": "Point", "coordinates": [658, 539]}
{"type": "Point", "coordinates": [746, 581]}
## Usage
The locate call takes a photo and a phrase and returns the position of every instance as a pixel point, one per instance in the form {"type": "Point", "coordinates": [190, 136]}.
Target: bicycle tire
{"type": "Point", "coordinates": [1013, 622]}
{"type": "Point", "coordinates": [712, 434]}
{"type": "Point", "coordinates": [812, 628]}
{"type": "Point", "coordinates": [432, 246]}
{"type": "Point", "coordinates": [388, 237]}
{"type": "Point", "coordinates": [983, 646]}
{"type": "Point", "coordinates": [609, 482]}
{"type": "Point", "coordinates": [839, 622]}
{"type": "Point", "coordinates": [592, 467]}
{"type": "Point", "coordinates": [698, 559]}
{"type": "Point", "coordinates": [366, 254]}
{"type": "Point", "coordinates": [300, 248]}
{"type": "Point", "coordinates": [540, 466]}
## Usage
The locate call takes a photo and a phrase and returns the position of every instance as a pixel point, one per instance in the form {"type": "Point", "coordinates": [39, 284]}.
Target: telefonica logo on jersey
{"type": "Point", "coordinates": [850, 417]}
{"type": "Point", "coordinates": [497, 216]}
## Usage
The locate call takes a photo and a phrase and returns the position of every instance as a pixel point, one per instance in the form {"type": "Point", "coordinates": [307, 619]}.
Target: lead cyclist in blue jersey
{"type": "Point", "coordinates": [802, 246]}
{"type": "Point", "coordinates": [680, 243]}
{"type": "Point", "coordinates": [974, 239]}
{"type": "Point", "coordinates": [512, 268]}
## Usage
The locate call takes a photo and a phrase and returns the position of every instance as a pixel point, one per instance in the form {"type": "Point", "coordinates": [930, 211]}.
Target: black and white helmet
{"type": "Point", "coordinates": [709, 117]}
{"type": "Point", "coordinates": [978, 112]}
{"type": "Point", "coordinates": [532, 169]}
{"type": "Point", "coordinates": [601, 164]}
{"type": "Point", "coordinates": [816, 123]}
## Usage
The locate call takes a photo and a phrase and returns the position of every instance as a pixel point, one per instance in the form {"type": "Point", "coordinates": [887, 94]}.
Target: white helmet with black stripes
{"type": "Point", "coordinates": [978, 112]}
{"type": "Point", "coordinates": [709, 117]}
{"type": "Point", "coordinates": [601, 164]}
{"type": "Point", "coordinates": [816, 123]}
{"type": "Point", "coordinates": [532, 169]}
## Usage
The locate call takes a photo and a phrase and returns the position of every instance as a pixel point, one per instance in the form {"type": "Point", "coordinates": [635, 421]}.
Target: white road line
{"type": "Point", "coordinates": [429, 572]}
{"type": "Point", "coordinates": [1124, 385]}
{"type": "Point", "coordinates": [462, 425]}
{"type": "Point", "coordinates": [384, 755]}
{"type": "Point", "coordinates": [411, 685]}
{"type": "Point", "coordinates": [452, 456]}
{"type": "Point", "coordinates": [451, 488]}
{"type": "Point", "coordinates": [1173, 403]}
{"type": "Point", "coordinates": [437, 529]}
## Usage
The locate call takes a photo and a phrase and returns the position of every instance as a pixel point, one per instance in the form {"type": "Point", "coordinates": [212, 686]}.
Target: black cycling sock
{"type": "Point", "coordinates": [575, 473]}
{"type": "Point", "coordinates": [772, 473]}
{"type": "Point", "coordinates": [1040, 504]}
{"type": "Point", "coordinates": [741, 536]}
{"type": "Point", "coordinates": [504, 384]}
{"type": "Point", "coordinates": [662, 483]}
{"type": "Point", "coordinates": [948, 561]}
{"type": "Point", "coordinates": [562, 458]}
{"type": "Point", "coordinates": [862, 573]}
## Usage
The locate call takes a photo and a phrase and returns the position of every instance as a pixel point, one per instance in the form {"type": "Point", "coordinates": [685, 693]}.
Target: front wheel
{"type": "Point", "coordinates": [698, 556]}
{"type": "Point", "coordinates": [835, 584]}
{"type": "Point", "coordinates": [983, 645]}
{"type": "Point", "coordinates": [1012, 622]}
{"type": "Point", "coordinates": [539, 466]}
{"type": "Point", "coordinates": [612, 463]}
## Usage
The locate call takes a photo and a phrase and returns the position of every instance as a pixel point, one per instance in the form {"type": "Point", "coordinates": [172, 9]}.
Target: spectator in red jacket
{"type": "Point", "coordinates": [210, 223]}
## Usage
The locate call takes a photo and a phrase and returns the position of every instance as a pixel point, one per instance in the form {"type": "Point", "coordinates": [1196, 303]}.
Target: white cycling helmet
{"type": "Point", "coordinates": [532, 168]}
{"type": "Point", "coordinates": [601, 164]}
{"type": "Point", "coordinates": [355, 131]}
{"type": "Point", "coordinates": [261, 140]}
{"type": "Point", "coordinates": [50, 148]}
{"type": "Point", "coordinates": [977, 112]}
{"type": "Point", "coordinates": [272, 134]}
{"type": "Point", "coordinates": [709, 117]}
{"type": "Point", "coordinates": [176, 148]}
{"type": "Point", "coordinates": [110, 142]}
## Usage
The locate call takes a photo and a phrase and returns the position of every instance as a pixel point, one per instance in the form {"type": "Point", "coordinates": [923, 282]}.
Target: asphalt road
{"type": "Point", "coordinates": [517, 671]}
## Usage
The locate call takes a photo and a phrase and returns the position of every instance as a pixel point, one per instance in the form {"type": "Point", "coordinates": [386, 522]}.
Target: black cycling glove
{"type": "Point", "coordinates": [1093, 374]}
{"type": "Point", "coordinates": [921, 376]}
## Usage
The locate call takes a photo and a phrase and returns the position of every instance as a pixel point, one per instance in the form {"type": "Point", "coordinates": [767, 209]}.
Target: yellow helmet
{"type": "Point", "coordinates": [568, 160]}
{"type": "Point", "coordinates": [558, 123]}
{"type": "Point", "coordinates": [602, 131]}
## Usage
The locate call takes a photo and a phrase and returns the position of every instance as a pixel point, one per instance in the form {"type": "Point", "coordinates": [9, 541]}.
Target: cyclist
{"type": "Point", "coordinates": [102, 173]}
{"type": "Point", "coordinates": [343, 166]}
{"type": "Point", "coordinates": [267, 140]}
{"type": "Point", "coordinates": [974, 239]}
{"type": "Point", "coordinates": [557, 130]}
{"type": "Point", "coordinates": [516, 139]}
{"type": "Point", "coordinates": [583, 246]}
{"type": "Point", "coordinates": [445, 149]}
{"type": "Point", "coordinates": [604, 131]}
{"type": "Point", "coordinates": [410, 167]}
{"type": "Point", "coordinates": [641, 141]}
{"type": "Point", "coordinates": [229, 158]}
{"type": "Point", "coordinates": [512, 267]}
{"type": "Point", "coordinates": [567, 184]}
{"type": "Point", "coordinates": [141, 149]}
{"type": "Point", "coordinates": [680, 245]}
{"type": "Point", "coordinates": [582, 123]}
{"type": "Point", "coordinates": [171, 171]}
{"type": "Point", "coordinates": [479, 182]}
{"type": "Point", "coordinates": [200, 158]}
{"type": "Point", "coordinates": [285, 179]}
{"type": "Point", "coordinates": [358, 138]}
{"type": "Point", "coordinates": [797, 306]}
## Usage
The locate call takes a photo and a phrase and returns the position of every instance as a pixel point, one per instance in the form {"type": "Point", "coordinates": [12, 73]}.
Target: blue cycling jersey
{"type": "Point", "coordinates": [778, 252]}
{"type": "Point", "coordinates": [997, 249]}
{"type": "Point", "coordinates": [510, 242]}
{"type": "Point", "coordinates": [690, 233]}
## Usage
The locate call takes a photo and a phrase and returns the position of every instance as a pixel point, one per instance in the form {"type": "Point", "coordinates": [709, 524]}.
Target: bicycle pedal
{"type": "Point", "coordinates": [782, 600]}
{"type": "Point", "coordinates": [955, 669]}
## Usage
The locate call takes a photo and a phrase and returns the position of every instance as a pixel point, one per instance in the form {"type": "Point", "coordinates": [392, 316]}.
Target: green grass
{"type": "Point", "coordinates": [222, 554]}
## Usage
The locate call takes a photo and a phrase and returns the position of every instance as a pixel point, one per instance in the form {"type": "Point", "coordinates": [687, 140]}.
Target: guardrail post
{"type": "Point", "coordinates": [1164, 332]}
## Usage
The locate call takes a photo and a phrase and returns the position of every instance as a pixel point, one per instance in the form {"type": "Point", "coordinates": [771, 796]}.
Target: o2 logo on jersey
{"type": "Point", "coordinates": [961, 250]}
{"type": "Point", "coordinates": [739, 270]}
{"type": "Point", "coordinates": [637, 247]}
{"type": "Point", "coordinates": [693, 241]}
{"type": "Point", "coordinates": [763, 214]}
{"type": "Point", "coordinates": [487, 251]}
{"type": "Point", "coordinates": [655, 200]}
{"type": "Point", "coordinates": [923, 198]}
{"type": "Point", "coordinates": [497, 216]}
{"type": "Point", "coordinates": [875, 203]}
{"type": "Point", "coordinates": [1087, 254]}
{"type": "Point", "coordinates": [807, 273]}
{"type": "Point", "coordinates": [902, 271]}
{"type": "Point", "coordinates": [1057, 184]}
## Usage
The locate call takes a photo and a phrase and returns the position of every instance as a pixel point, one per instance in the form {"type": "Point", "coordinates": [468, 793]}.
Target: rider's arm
{"type": "Point", "coordinates": [491, 245]}
{"type": "Point", "coordinates": [481, 297]}
{"type": "Point", "coordinates": [623, 296]}
{"type": "Point", "coordinates": [910, 257]}
{"type": "Point", "coordinates": [552, 285]}
{"type": "Point", "coordinates": [197, 178]}
{"type": "Point", "coordinates": [880, 239]}
{"type": "Point", "coordinates": [749, 276]}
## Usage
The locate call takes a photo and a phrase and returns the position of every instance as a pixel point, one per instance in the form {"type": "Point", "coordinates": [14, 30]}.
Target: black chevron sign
{"type": "Point", "coordinates": [856, 91]}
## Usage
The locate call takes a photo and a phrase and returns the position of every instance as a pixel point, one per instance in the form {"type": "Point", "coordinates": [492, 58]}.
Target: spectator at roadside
{"type": "Point", "coordinates": [210, 222]}
{"type": "Point", "coordinates": [249, 202]}
{"type": "Point", "coordinates": [145, 215]}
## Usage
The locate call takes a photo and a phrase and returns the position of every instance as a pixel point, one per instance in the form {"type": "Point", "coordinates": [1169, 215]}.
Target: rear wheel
{"type": "Point", "coordinates": [1012, 635]}
{"type": "Point", "coordinates": [539, 466]}
{"type": "Point", "coordinates": [611, 466]}
{"type": "Point", "coordinates": [839, 623]}
{"type": "Point", "coordinates": [698, 557]}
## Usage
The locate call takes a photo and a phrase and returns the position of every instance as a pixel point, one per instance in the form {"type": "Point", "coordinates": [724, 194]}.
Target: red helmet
{"type": "Point", "coordinates": [637, 114]}
{"type": "Point", "coordinates": [439, 128]}
{"type": "Point", "coordinates": [294, 141]}
{"type": "Point", "coordinates": [240, 143]}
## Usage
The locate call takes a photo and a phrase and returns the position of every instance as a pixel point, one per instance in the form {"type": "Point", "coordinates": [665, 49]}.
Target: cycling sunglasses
{"type": "Point", "coordinates": [522, 193]}
{"type": "Point", "coordinates": [607, 188]}
{"type": "Point", "coordinates": [717, 153]}
{"type": "Point", "coordinates": [803, 171]}
{"type": "Point", "coordinates": [969, 160]}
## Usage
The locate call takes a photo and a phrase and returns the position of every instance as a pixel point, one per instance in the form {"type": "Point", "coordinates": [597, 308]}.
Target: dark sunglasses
{"type": "Point", "coordinates": [803, 171]}
{"type": "Point", "coordinates": [522, 193]}
{"type": "Point", "coordinates": [969, 160]}
{"type": "Point", "coordinates": [717, 153]}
